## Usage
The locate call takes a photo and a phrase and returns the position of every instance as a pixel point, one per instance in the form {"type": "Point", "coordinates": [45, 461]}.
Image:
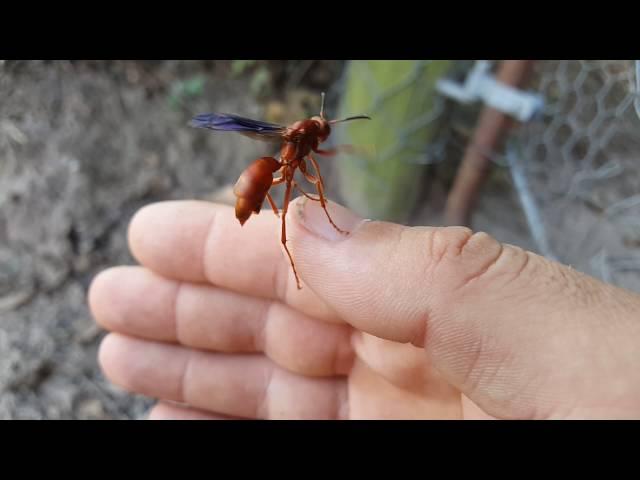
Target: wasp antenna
{"type": "Point", "coordinates": [357, 117]}
{"type": "Point", "coordinates": [322, 105]}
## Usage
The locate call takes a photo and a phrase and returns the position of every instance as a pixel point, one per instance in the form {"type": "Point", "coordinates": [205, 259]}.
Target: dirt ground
{"type": "Point", "coordinates": [82, 147]}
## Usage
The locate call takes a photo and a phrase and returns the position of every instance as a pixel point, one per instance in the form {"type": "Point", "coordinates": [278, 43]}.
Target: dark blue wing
{"type": "Point", "coordinates": [224, 122]}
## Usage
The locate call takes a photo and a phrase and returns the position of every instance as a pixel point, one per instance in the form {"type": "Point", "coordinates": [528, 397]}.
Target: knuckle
{"type": "Point", "coordinates": [465, 258]}
{"type": "Point", "coordinates": [471, 256]}
{"type": "Point", "coordinates": [447, 243]}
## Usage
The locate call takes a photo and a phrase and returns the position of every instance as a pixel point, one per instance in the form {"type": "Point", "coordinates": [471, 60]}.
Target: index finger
{"type": "Point", "coordinates": [203, 242]}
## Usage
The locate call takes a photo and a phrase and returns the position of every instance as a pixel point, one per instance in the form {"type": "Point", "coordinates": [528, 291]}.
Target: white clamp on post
{"type": "Point", "coordinates": [481, 85]}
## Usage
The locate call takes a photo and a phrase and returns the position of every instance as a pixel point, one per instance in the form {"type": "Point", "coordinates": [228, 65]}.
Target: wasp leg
{"type": "Point", "coordinates": [274, 207]}
{"type": "Point", "coordinates": [327, 153]}
{"type": "Point", "coordinates": [317, 181]}
{"type": "Point", "coordinates": [316, 167]}
{"type": "Point", "coordinates": [285, 207]}
{"type": "Point", "coordinates": [295, 184]}
{"type": "Point", "coordinates": [331, 152]}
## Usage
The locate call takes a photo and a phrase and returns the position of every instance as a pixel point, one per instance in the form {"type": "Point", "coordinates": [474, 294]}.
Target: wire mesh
{"type": "Point", "coordinates": [576, 169]}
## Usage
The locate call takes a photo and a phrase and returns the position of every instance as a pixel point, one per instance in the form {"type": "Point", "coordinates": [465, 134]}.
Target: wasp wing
{"type": "Point", "coordinates": [225, 122]}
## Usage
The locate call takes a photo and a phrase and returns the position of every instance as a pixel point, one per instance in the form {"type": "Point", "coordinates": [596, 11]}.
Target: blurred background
{"type": "Point", "coordinates": [541, 154]}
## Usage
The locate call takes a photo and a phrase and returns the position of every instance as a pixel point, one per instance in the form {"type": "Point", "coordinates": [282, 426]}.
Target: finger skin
{"type": "Point", "coordinates": [372, 397]}
{"type": "Point", "coordinates": [137, 302]}
{"type": "Point", "coordinates": [203, 242]}
{"type": "Point", "coordinates": [168, 411]}
{"type": "Point", "coordinates": [248, 386]}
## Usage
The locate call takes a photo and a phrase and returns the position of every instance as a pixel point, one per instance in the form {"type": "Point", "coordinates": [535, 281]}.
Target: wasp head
{"type": "Point", "coordinates": [324, 130]}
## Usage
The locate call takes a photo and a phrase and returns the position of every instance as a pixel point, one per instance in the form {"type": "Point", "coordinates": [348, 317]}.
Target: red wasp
{"type": "Point", "coordinates": [298, 141]}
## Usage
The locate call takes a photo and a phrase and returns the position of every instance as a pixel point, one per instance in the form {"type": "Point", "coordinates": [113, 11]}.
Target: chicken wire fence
{"type": "Point", "coordinates": [574, 166]}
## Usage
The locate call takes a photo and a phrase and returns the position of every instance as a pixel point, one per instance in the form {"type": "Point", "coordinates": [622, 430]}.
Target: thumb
{"type": "Point", "coordinates": [495, 320]}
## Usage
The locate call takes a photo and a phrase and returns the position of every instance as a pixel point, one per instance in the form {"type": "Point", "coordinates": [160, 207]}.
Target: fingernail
{"type": "Point", "coordinates": [314, 219]}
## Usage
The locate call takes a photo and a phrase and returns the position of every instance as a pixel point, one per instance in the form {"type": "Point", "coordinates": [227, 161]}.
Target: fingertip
{"type": "Point", "coordinates": [141, 222]}
{"type": "Point", "coordinates": [134, 301]}
{"type": "Point", "coordinates": [108, 354]}
{"type": "Point", "coordinates": [118, 360]}
{"type": "Point", "coordinates": [159, 412]}
{"type": "Point", "coordinates": [94, 294]}
{"type": "Point", "coordinates": [101, 292]}
{"type": "Point", "coordinates": [169, 237]}
{"type": "Point", "coordinates": [168, 411]}
{"type": "Point", "coordinates": [313, 218]}
{"type": "Point", "coordinates": [366, 276]}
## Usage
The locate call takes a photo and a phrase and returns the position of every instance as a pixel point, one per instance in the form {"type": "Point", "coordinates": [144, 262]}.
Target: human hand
{"type": "Point", "coordinates": [392, 322]}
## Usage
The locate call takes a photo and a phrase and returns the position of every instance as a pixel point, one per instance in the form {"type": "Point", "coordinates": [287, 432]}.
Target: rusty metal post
{"type": "Point", "coordinates": [487, 139]}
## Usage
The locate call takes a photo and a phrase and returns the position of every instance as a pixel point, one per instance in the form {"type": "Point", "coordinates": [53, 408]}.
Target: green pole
{"type": "Point", "coordinates": [383, 181]}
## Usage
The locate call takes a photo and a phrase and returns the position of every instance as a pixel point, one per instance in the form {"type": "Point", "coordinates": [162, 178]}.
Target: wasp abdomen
{"type": "Point", "coordinates": [253, 185]}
